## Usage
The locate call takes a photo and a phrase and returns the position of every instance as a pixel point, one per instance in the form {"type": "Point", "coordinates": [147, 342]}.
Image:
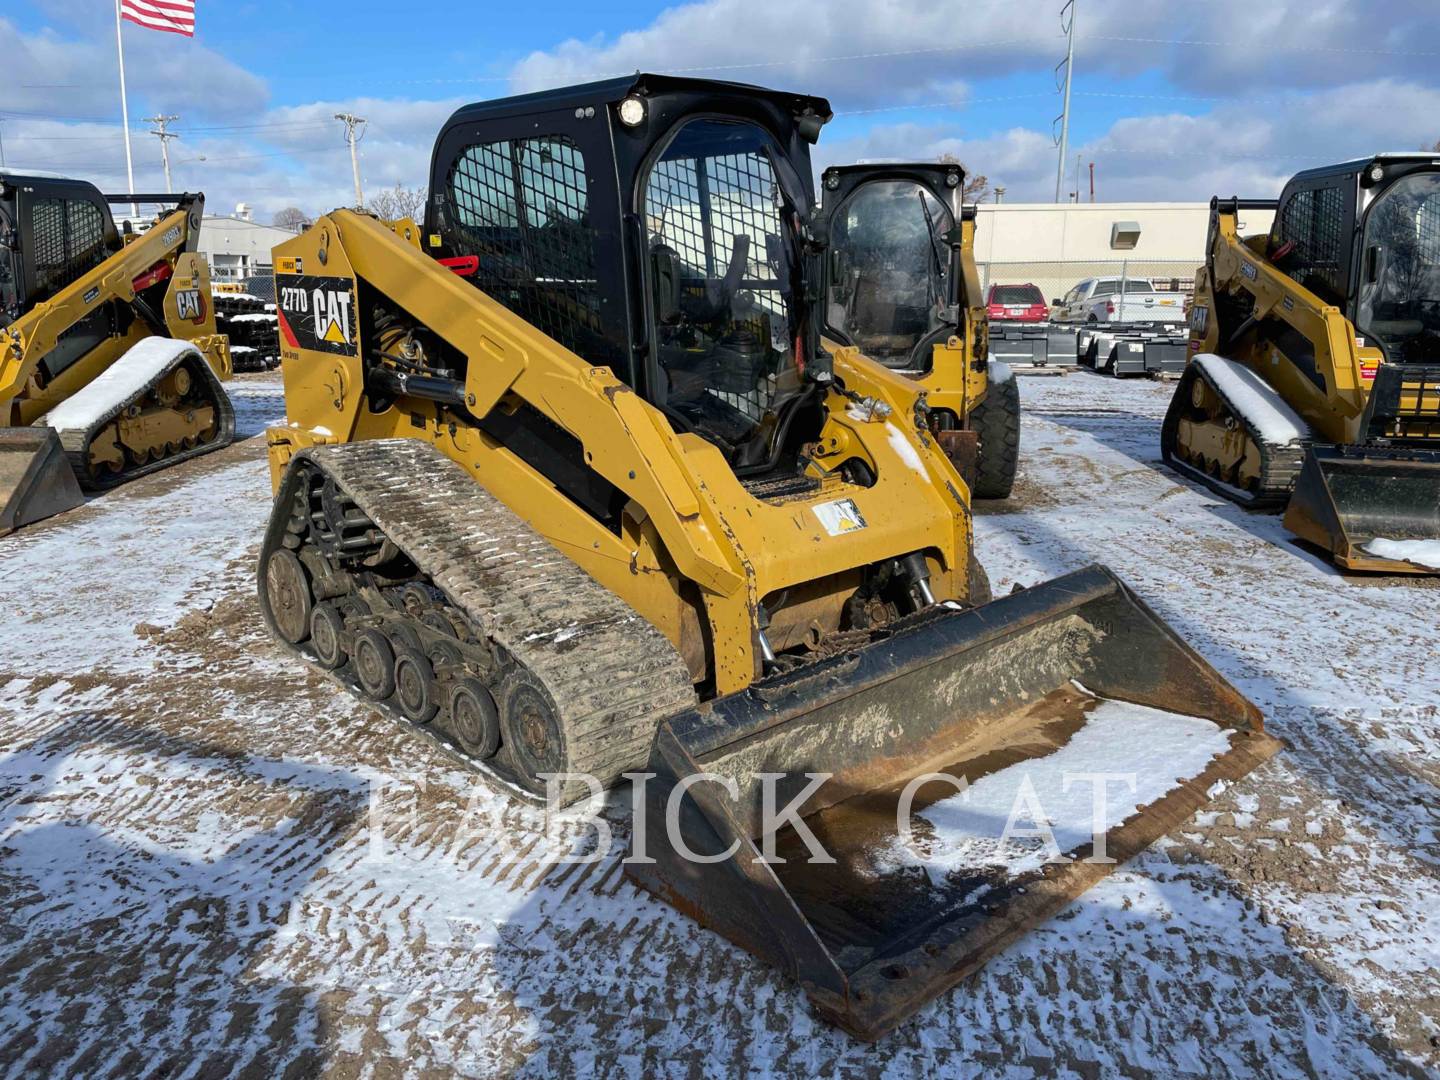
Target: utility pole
{"type": "Point", "coordinates": [1064, 117]}
{"type": "Point", "coordinates": [164, 136]}
{"type": "Point", "coordinates": [351, 123]}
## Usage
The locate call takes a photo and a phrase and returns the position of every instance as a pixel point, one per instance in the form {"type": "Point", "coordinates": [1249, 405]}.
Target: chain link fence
{"type": "Point", "coordinates": [1057, 278]}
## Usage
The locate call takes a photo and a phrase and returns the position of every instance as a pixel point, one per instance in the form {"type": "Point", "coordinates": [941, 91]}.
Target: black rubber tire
{"type": "Point", "coordinates": [416, 692]}
{"type": "Point", "coordinates": [996, 420]}
{"type": "Point", "coordinates": [374, 663]}
{"type": "Point", "coordinates": [530, 727]}
{"type": "Point", "coordinates": [287, 589]}
{"type": "Point", "coordinates": [326, 626]}
{"type": "Point", "coordinates": [472, 719]}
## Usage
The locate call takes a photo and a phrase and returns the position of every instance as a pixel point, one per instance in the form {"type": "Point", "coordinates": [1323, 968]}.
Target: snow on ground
{"type": "Point", "coordinates": [213, 863]}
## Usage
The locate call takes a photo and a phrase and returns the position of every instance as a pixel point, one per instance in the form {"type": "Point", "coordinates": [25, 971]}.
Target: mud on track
{"type": "Point", "coordinates": [191, 884]}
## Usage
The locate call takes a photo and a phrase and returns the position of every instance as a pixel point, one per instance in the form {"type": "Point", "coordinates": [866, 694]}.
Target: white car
{"type": "Point", "coordinates": [1102, 300]}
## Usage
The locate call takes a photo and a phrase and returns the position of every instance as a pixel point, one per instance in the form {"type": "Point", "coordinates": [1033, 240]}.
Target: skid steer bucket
{"type": "Point", "coordinates": [1374, 508]}
{"type": "Point", "coordinates": [36, 480]}
{"type": "Point", "coordinates": [1070, 679]}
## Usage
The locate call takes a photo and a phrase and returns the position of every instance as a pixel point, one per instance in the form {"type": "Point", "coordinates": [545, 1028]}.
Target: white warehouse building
{"type": "Point", "coordinates": [1056, 245]}
{"type": "Point", "coordinates": [236, 247]}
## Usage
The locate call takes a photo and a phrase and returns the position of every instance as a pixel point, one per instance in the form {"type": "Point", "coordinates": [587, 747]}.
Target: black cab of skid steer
{"type": "Point", "coordinates": [1365, 236]}
{"type": "Point", "coordinates": [660, 226]}
{"type": "Point", "coordinates": [893, 282]}
{"type": "Point", "coordinates": [52, 230]}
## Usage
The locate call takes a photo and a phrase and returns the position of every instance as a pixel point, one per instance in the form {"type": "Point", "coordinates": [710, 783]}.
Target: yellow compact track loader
{"type": "Point", "coordinates": [1315, 384]}
{"type": "Point", "coordinates": [569, 484]}
{"type": "Point", "coordinates": [110, 365]}
{"type": "Point", "coordinates": [902, 286]}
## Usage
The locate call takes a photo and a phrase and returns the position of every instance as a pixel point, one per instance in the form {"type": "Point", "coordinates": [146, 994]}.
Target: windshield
{"type": "Point", "coordinates": [1016, 295]}
{"type": "Point", "coordinates": [889, 272]}
{"type": "Point", "coordinates": [723, 237]}
{"type": "Point", "coordinates": [1400, 290]}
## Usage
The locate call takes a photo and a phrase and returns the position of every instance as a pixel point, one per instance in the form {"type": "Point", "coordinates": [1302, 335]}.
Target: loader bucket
{"type": "Point", "coordinates": [1074, 676]}
{"type": "Point", "coordinates": [36, 480]}
{"type": "Point", "coordinates": [1370, 507]}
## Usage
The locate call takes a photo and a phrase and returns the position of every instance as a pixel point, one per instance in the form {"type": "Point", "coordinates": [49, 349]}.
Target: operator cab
{"type": "Point", "coordinates": [1365, 235]}
{"type": "Point", "coordinates": [52, 230]}
{"type": "Point", "coordinates": [892, 282]}
{"type": "Point", "coordinates": [658, 226]}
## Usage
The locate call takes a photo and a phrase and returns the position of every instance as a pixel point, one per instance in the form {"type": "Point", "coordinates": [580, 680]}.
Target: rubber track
{"type": "Point", "coordinates": [610, 674]}
{"type": "Point", "coordinates": [76, 441]}
{"type": "Point", "coordinates": [1279, 462]}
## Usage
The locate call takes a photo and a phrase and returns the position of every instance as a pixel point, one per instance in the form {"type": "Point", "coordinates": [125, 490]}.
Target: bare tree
{"type": "Point", "coordinates": [399, 202]}
{"type": "Point", "coordinates": [977, 185]}
{"type": "Point", "coordinates": [292, 218]}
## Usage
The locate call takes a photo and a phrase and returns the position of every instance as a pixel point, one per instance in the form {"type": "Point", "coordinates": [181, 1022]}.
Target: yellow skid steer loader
{"type": "Point", "coordinates": [902, 286]}
{"type": "Point", "coordinates": [568, 484]}
{"type": "Point", "coordinates": [1315, 380]}
{"type": "Point", "coordinates": [110, 364]}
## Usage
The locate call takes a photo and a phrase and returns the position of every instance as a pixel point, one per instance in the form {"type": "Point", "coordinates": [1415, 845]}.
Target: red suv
{"type": "Point", "coordinates": [1017, 303]}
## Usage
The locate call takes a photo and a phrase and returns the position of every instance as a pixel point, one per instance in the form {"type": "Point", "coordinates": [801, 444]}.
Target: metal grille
{"type": "Point", "coordinates": [522, 206]}
{"type": "Point", "coordinates": [1427, 231]}
{"type": "Point", "coordinates": [85, 238]}
{"type": "Point", "coordinates": [68, 238]}
{"type": "Point", "coordinates": [700, 208]}
{"type": "Point", "coordinates": [1312, 220]}
{"type": "Point", "coordinates": [47, 232]}
{"type": "Point", "coordinates": [701, 214]}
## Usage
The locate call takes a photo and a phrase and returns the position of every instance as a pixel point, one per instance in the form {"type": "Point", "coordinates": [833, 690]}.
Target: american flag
{"type": "Point", "coordinates": [172, 16]}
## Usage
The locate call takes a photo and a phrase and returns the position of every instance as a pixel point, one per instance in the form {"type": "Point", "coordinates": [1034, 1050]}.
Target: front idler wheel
{"type": "Point", "coordinates": [531, 730]}
{"type": "Point", "coordinates": [288, 590]}
{"type": "Point", "coordinates": [415, 689]}
{"type": "Point", "coordinates": [375, 664]}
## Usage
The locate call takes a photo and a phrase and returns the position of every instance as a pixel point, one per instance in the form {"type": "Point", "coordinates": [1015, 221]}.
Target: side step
{"type": "Point", "coordinates": [36, 480]}
{"type": "Point", "coordinates": [1073, 676]}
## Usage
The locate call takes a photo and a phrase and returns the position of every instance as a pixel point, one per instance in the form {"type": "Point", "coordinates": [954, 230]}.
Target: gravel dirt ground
{"type": "Point", "coordinates": [191, 883]}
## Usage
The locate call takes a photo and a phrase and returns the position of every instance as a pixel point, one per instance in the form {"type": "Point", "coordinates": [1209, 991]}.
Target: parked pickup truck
{"type": "Point", "coordinates": [1102, 300]}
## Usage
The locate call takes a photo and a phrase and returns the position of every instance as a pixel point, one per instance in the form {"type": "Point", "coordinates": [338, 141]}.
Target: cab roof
{"type": "Point", "coordinates": [612, 91]}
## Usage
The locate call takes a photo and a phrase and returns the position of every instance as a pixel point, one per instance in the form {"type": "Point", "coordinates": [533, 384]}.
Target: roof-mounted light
{"type": "Point", "coordinates": [632, 111]}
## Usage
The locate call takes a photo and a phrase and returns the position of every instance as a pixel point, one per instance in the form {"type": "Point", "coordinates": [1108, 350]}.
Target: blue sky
{"type": "Point", "coordinates": [1171, 101]}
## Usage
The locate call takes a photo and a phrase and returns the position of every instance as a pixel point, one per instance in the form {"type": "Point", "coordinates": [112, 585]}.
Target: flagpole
{"type": "Point", "coordinates": [125, 112]}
